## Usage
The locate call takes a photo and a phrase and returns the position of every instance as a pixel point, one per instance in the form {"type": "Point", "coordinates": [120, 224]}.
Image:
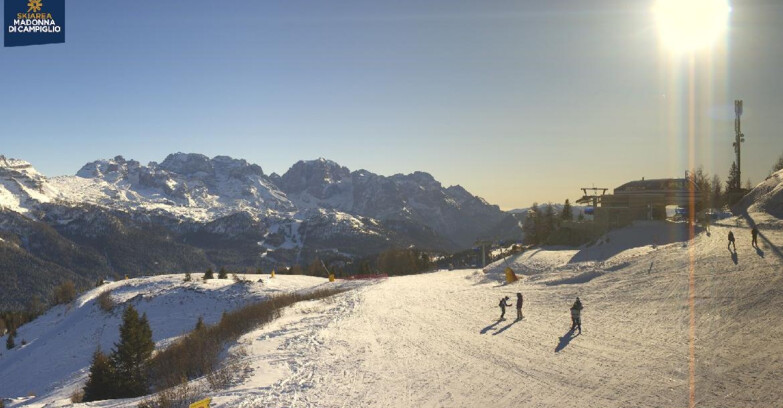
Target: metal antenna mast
{"type": "Point", "coordinates": [739, 138]}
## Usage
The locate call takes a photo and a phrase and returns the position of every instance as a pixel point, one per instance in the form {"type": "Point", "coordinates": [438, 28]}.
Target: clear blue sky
{"type": "Point", "coordinates": [516, 101]}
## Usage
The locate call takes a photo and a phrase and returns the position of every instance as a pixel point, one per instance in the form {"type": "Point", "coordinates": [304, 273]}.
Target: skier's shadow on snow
{"type": "Point", "coordinates": [734, 257]}
{"type": "Point", "coordinates": [504, 328]}
{"type": "Point", "coordinates": [759, 252]}
{"type": "Point", "coordinates": [490, 327]}
{"type": "Point", "coordinates": [566, 339]}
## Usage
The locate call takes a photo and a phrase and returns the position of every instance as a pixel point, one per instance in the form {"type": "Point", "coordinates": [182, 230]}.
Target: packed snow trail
{"type": "Point", "coordinates": [434, 339]}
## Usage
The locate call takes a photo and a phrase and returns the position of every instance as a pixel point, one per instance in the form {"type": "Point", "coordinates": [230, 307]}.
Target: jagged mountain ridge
{"type": "Point", "coordinates": [187, 186]}
{"type": "Point", "coordinates": [194, 187]}
{"type": "Point", "coordinates": [416, 197]}
{"type": "Point", "coordinates": [189, 212]}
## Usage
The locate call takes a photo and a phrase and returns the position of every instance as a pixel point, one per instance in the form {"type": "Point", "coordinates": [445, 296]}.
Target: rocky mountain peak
{"type": "Point", "coordinates": [187, 163]}
{"type": "Point", "coordinates": [313, 176]}
{"type": "Point", "coordinates": [117, 166]}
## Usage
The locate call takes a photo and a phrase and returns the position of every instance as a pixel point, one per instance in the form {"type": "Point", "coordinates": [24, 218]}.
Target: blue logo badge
{"type": "Point", "coordinates": [31, 22]}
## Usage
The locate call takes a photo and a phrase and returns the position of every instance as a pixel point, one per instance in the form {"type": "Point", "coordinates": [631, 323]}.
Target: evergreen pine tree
{"type": "Point", "coordinates": [187, 277]}
{"type": "Point", "coordinates": [101, 384]}
{"type": "Point", "coordinates": [567, 214]}
{"type": "Point", "coordinates": [733, 182]}
{"type": "Point", "coordinates": [530, 226]}
{"type": "Point", "coordinates": [209, 274]}
{"type": "Point", "coordinates": [222, 274]}
{"type": "Point", "coordinates": [9, 342]}
{"type": "Point", "coordinates": [130, 356]}
{"type": "Point", "coordinates": [550, 221]}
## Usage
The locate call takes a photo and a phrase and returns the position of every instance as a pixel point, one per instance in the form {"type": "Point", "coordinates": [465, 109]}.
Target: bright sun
{"type": "Point", "coordinates": [688, 25]}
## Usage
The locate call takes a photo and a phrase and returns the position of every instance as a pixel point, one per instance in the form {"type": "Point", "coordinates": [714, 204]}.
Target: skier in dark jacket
{"type": "Point", "coordinates": [731, 242]}
{"type": "Point", "coordinates": [519, 306]}
{"type": "Point", "coordinates": [503, 306]}
{"type": "Point", "coordinates": [755, 234]}
{"type": "Point", "coordinates": [576, 315]}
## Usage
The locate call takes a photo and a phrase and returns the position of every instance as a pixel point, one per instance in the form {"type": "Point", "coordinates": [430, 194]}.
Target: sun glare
{"type": "Point", "coordinates": [689, 25]}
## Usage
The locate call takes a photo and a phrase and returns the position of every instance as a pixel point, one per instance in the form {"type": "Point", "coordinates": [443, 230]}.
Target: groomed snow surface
{"type": "Point", "coordinates": [434, 340]}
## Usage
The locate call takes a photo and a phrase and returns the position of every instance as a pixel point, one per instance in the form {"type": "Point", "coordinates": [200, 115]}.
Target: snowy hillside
{"type": "Point", "coordinates": [434, 339]}
{"type": "Point", "coordinates": [767, 197]}
{"type": "Point", "coordinates": [59, 345]}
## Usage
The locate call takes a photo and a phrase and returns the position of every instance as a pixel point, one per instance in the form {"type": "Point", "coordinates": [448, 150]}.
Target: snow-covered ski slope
{"type": "Point", "coordinates": [433, 340]}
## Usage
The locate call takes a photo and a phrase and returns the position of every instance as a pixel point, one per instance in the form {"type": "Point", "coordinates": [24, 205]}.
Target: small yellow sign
{"type": "Point", "coordinates": [201, 404]}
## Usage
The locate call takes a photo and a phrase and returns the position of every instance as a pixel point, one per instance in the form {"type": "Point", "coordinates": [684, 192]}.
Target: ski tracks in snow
{"type": "Point", "coordinates": [299, 351]}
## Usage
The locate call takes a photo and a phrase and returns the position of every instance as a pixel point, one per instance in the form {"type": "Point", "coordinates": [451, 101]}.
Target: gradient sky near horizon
{"type": "Point", "coordinates": [516, 101]}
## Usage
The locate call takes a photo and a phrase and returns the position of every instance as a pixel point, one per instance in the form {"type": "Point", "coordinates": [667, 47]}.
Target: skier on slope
{"type": "Point", "coordinates": [576, 315]}
{"type": "Point", "coordinates": [519, 306]}
{"type": "Point", "coordinates": [503, 306]}
{"type": "Point", "coordinates": [755, 235]}
{"type": "Point", "coordinates": [731, 242]}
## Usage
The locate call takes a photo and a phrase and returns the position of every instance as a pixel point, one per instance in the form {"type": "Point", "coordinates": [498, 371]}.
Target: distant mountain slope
{"type": "Point", "coordinates": [188, 186]}
{"type": "Point", "coordinates": [189, 212]}
{"type": "Point", "coordinates": [22, 187]}
{"type": "Point", "coordinates": [451, 212]}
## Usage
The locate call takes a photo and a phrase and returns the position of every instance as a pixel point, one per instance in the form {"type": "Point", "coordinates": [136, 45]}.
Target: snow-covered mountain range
{"type": "Point", "coordinates": [119, 217]}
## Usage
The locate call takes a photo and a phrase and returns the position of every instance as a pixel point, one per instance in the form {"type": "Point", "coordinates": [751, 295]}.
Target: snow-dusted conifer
{"type": "Point", "coordinates": [102, 381]}
{"type": "Point", "coordinates": [130, 356]}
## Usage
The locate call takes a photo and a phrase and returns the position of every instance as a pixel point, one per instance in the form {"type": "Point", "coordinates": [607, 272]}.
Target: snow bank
{"type": "Point", "coordinates": [765, 197]}
{"type": "Point", "coordinates": [579, 265]}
